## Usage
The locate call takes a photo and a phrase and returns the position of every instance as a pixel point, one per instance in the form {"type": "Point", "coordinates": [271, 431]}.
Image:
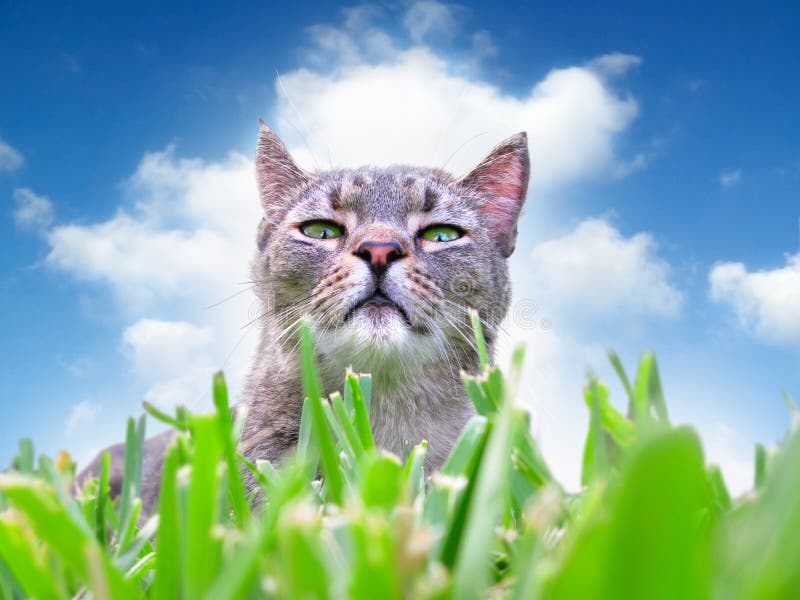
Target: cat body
{"type": "Point", "coordinates": [385, 263]}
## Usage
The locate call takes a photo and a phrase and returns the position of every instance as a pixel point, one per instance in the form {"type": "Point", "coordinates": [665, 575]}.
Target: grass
{"type": "Point", "coordinates": [653, 520]}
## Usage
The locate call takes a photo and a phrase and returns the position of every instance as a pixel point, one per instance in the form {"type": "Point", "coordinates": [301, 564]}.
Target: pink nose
{"type": "Point", "coordinates": [379, 254]}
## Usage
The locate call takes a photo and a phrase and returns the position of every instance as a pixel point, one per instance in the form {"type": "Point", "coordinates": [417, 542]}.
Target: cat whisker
{"type": "Point", "coordinates": [231, 297]}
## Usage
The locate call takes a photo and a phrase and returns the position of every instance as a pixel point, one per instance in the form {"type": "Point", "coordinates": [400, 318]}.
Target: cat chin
{"type": "Point", "coordinates": [377, 342]}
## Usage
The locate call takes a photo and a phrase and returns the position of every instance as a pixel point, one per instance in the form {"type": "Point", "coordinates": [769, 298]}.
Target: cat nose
{"type": "Point", "coordinates": [379, 254]}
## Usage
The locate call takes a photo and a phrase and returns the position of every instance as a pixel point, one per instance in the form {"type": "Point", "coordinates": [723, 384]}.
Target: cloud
{"type": "Point", "coordinates": [10, 158]}
{"type": "Point", "coordinates": [596, 269]}
{"type": "Point", "coordinates": [189, 236]}
{"type": "Point", "coordinates": [615, 64]}
{"type": "Point", "coordinates": [425, 18]}
{"type": "Point", "coordinates": [32, 212]}
{"type": "Point", "coordinates": [418, 106]}
{"type": "Point", "coordinates": [728, 179]}
{"type": "Point", "coordinates": [725, 446]}
{"type": "Point", "coordinates": [82, 413]}
{"type": "Point", "coordinates": [173, 358]}
{"type": "Point", "coordinates": [766, 302]}
{"type": "Point", "coordinates": [164, 347]}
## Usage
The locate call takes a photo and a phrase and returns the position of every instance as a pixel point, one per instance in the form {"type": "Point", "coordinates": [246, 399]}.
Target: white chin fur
{"type": "Point", "coordinates": [377, 342]}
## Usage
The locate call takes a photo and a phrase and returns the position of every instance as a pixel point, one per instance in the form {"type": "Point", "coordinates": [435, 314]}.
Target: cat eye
{"type": "Point", "coordinates": [440, 233]}
{"type": "Point", "coordinates": [322, 230]}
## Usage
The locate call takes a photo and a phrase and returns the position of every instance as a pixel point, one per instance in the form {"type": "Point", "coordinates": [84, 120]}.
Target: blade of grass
{"type": "Point", "coordinates": [132, 475]}
{"type": "Point", "coordinates": [26, 562]}
{"type": "Point", "coordinates": [320, 430]}
{"type": "Point", "coordinates": [346, 422]}
{"type": "Point", "coordinates": [76, 546]}
{"type": "Point", "coordinates": [595, 454]}
{"type": "Point", "coordinates": [615, 361]}
{"type": "Point", "coordinates": [480, 341]}
{"type": "Point", "coordinates": [360, 410]}
{"type": "Point", "coordinates": [103, 492]}
{"type": "Point", "coordinates": [471, 572]}
{"type": "Point", "coordinates": [202, 547]}
{"type": "Point", "coordinates": [236, 492]}
{"type": "Point", "coordinates": [170, 557]}
{"type": "Point", "coordinates": [24, 462]}
{"type": "Point", "coordinates": [177, 423]}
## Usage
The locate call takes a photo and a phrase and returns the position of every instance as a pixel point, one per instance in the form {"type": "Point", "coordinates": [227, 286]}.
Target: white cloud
{"type": "Point", "coordinates": [10, 158]}
{"type": "Point", "coordinates": [417, 106]}
{"type": "Point", "coordinates": [728, 179]}
{"type": "Point", "coordinates": [82, 413]}
{"type": "Point", "coordinates": [725, 446]}
{"type": "Point", "coordinates": [32, 212]}
{"type": "Point", "coordinates": [615, 64]}
{"type": "Point", "coordinates": [173, 359]}
{"type": "Point", "coordinates": [598, 270]}
{"type": "Point", "coordinates": [189, 238]}
{"type": "Point", "coordinates": [427, 18]}
{"type": "Point", "coordinates": [164, 347]}
{"type": "Point", "coordinates": [766, 302]}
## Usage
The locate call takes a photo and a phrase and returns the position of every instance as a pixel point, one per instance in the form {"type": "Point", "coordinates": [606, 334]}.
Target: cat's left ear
{"type": "Point", "coordinates": [500, 183]}
{"type": "Point", "coordinates": [279, 177]}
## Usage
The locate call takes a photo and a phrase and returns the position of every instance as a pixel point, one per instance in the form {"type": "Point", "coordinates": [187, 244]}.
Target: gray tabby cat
{"type": "Point", "coordinates": [386, 263]}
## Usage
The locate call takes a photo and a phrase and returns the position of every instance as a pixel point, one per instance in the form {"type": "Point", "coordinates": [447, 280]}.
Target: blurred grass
{"type": "Point", "coordinates": [653, 520]}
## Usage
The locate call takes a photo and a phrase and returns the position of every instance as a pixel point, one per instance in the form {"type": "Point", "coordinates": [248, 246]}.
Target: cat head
{"type": "Point", "coordinates": [387, 261]}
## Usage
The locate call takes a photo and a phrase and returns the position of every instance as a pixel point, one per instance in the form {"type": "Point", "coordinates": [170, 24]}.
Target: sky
{"type": "Point", "coordinates": [663, 212]}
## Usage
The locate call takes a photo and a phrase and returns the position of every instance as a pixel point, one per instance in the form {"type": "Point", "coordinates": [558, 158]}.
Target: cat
{"type": "Point", "coordinates": [385, 262]}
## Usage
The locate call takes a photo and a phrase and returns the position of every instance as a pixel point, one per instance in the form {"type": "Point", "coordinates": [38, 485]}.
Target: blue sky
{"type": "Point", "coordinates": [664, 211]}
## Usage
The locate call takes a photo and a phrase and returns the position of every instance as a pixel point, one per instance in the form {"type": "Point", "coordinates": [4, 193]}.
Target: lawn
{"type": "Point", "coordinates": [341, 519]}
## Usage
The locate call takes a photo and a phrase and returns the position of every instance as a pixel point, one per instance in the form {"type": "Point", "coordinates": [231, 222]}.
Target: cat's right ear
{"type": "Point", "coordinates": [279, 177]}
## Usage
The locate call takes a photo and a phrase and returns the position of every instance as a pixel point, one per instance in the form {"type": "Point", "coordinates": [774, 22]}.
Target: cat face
{"type": "Point", "coordinates": [387, 261]}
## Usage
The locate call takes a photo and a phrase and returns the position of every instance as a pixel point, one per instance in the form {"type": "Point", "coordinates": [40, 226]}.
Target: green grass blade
{"type": "Point", "coordinates": [649, 405]}
{"type": "Point", "coordinates": [24, 462]}
{"type": "Point", "coordinates": [484, 405]}
{"type": "Point", "coordinates": [382, 483]}
{"type": "Point", "coordinates": [345, 419]}
{"type": "Point", "coordinates": [595, 453]}
{"type": "Point", "coordinates": [74, 544]}
{"type": "Point", "coordinates": [305, 565]}
{"type": "Point", "coordinates": [103, 499]}
{"type": "Point", "coordinates": [236, 490]}
{"type": "Point", "coordinates": [719, 491]}
{"type": "Point", "coordinates": [360, 409]}
{"type": "Point", "coordinates": [761, 461]}
{"type": "Point", "coordinates": [480, 341]}
{"type": "Point", "coordinates": [340, 438]}
{"type": "Point", "coordinates": [319, 426]}
{"type": "Point", "coordinates": [471, 573]}
{"type": "Point", "coordinates": [178, 423]}
{"type": "Point", "coordinates": [414, 470]}
{"type": "Point", "coordinates": [202, 547]}
{"type": "Point", "coordinates": [762, 551]}
{"type": "Point", "coordinates": [170, 560]}
{"type": "Point", "coordinates": [615, 361]}
{"type": "Point", "coordinates": [644, 538]}
{"type": "Point", "coordinates": [132, 475]}
{"type": "Point", "coordinates": [26, 562]}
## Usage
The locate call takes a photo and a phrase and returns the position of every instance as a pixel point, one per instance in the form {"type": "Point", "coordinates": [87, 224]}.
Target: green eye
{"type": "Point", "coordinates": [440, 233]}
{"type": "Point", "coordinates": [322, 230]}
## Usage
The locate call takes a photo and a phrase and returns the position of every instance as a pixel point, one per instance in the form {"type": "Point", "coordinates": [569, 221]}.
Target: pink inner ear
{"type": "Point", "coordinates": [504, 182]}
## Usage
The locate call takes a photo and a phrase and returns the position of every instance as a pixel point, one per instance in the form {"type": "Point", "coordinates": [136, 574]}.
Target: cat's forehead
{"type": "Point", "coordinates": [384, 193]}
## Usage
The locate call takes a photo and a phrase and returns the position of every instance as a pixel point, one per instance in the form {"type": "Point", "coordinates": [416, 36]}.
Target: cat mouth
{"type": "Point", "coordinates": [378, 301]}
